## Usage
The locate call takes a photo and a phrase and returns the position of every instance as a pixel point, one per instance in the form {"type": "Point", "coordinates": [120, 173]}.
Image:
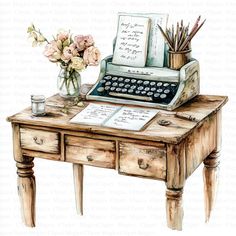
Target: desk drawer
{"type": "Point", "coordinates": [143, 160]}
{"type": "Point", "coordinates": [90, 151]}
{"type": "Point", "coordinates": [39, 140]}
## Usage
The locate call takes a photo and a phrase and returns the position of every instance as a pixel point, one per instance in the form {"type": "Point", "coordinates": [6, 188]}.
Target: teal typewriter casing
{"type": "Point", "coordinates": [187, 78]}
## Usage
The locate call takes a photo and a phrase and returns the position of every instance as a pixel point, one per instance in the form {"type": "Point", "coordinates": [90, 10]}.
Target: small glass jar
{"type": "Point", "coordinates": [38, 105]}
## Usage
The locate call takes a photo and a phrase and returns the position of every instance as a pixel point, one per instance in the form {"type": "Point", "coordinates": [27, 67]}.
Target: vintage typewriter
{"type": "Point", "coordinates": [158, 87]}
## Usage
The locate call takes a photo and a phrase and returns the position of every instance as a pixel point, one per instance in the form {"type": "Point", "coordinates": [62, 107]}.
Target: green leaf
{"type": "Point", "coordinates": [33, 35]}
{"type": "Point", "coordinates": [34, 43]}
{"type": "Point", "coordinates": [80, 104]}
{"type": "Point", "coordinates": [66, 43]}
{"type": "Point", "coordinates": [59, 44]}
{"type": "Point", "coordinates": [30, 29]}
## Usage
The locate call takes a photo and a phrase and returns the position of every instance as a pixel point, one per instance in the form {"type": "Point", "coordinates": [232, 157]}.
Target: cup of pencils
{"type": "Point", "coordinates": [179, 41]}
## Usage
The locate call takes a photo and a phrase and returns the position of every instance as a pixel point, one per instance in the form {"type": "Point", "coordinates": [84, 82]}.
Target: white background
{"type": "Point", "coordinates": [113, 204]}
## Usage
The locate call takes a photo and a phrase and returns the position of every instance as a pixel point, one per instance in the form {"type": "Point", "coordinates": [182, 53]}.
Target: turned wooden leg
{"type": "Point", "coordinates": [210, 177]}
{"type": "Point", "coordinates": [26, 190]}
{"type": "Point", "coordinates": [174, 209]}
{"type": "Point", "coordinates": [211, 171]}
{"type": "Point", "coordinates": [78, 171]}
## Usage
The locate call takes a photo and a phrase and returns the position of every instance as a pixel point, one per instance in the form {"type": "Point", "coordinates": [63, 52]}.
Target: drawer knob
{"type": "Point", "coordinates": [142, 165]}
{"type": "Point", "coordinates": [38, 141]}
{"type": "Point", "coordinates": [89, 158]}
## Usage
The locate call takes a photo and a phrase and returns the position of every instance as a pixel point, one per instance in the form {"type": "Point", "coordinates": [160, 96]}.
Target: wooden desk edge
{"type": "Point", "coordinates": [108, 131]}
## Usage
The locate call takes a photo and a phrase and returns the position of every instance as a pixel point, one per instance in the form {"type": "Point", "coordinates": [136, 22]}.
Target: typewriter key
{"type": "Point", "coordinates": [115, 84]}
{"type": "Point", "coordinates": [153, 89]}
{"type": "Point", "coordinates": [114, 78]}
{"type": "Point", "coordinates": [102, 81]}
{"type": "Point", "coordinates": [107, 77]}
{"type": "Point", "coordinates": [165, 84]}
{"type": "Point", "coordinates": [140, 88]}
{"type": "Point", "coordinates": [100, 89]}
{"type": "Point", "coordinates": [159, 90]}
{"type": "Point", "coordinates": [156, 95]}
{"type": "Point", "coordinates": [159, 84]}
{"type": "Point", "coordinates": [173, 85]}
{"type": "Point", "coordinates": [147, 89]}
{"type": "Point", "coordinates": [133, 81]}
{"type": "Point", "coordinates": [107, 88]}
{"type": "Point", "coordinates": [108, 83]}
{"type": "Point", "coordinates": [139, 81]}
{"type": "Point", "coordinates": [127, 80]}
{"type": "Point", "coordinates": [146, 82]}
{"type": "Point", "coordinates": [118, 89]}
{"type": "Point", "coordinates": [152, 83]}
{"type": "Point", "coordinates": [120, 79]}
{"type": "Point", "coordinates": [133, 87]}
{"type": "Point", "coordinates": [127, 85]}
{"type": "Point", "coordinates": [121, 84]}
{"type": "Point", "coordinates": [150, 93]}
{"type": "Point", "coordinates": [112, 88]}
{"type": "Point", "coordinates": [166, 91]}
{"type": "Point", "coordinates": [163, 96]}
{"type": "Point", "coordinates": [143, 92]}
{"type": "Point", "coordinates": [137, 91]}
{"type": "Point", "coordinates": [130, 91]}
{"type": "Point", "coordinates": [124, 90]}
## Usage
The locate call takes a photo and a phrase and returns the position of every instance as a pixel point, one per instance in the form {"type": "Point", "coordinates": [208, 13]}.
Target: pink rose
{"type": "Point", "coordinates": [88, 40]}
{"type": "Point", "coordinates": [79, 41]}
{"type": "Point", "coordinates": [52, 52]}
{"type": "Point", "coordinates": [62, 35]}
{"type": "Point", "coordinates": [82, 42]}
{"type": "Point", "coordinates": [91, 56]}
{"type": "Point", "coordinates": [69, 52]}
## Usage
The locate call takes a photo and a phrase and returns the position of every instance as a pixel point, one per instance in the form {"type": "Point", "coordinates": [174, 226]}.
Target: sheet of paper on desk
{"type": "Point", "coordinates": [95, 114]}
{"type": "Point", "coordinates": [131, 118]}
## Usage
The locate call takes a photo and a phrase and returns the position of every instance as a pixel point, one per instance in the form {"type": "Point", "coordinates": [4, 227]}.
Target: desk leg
{"type": "Point", "coordinates": [174, 209]}
{"type": "Point", "coordinates": [78, 171]}
{"type": "Point", "coordinates": [210, 177]}
{"type": "Point", "coordinates": [211, 171]}
{"type": "Point", "coordinates": [26, 190]}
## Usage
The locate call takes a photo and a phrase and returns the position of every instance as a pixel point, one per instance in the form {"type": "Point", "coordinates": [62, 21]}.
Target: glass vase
{"type": "Point", "coordinates": [68, 83]}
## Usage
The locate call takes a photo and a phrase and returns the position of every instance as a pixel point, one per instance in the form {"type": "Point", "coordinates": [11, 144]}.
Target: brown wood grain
{"type": "Point", "coordinates": [78, 172]}
{"type": "Point", "coordinates": [136, 159]}
{"type": "Point", "coordinates": [174, 208]}
{"type": "Point", "coordinates": [17, 152]}
{"type": "Point", "coordinates": [200, 107]}
{"type": "Point", "coordinates": [170, 148]}
{"type": "Point", "coordinates": [176, 166]}
{"type": "Point", "coordinates": [39, 140]}
{"type": "Point", "coordinates": [200, 144]}
{"type": "Point", "coordinates": [90, 152]}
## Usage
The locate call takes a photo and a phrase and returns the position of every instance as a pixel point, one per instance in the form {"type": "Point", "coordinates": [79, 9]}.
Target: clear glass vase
{"type": "Point", "coordinates": [68, 83]}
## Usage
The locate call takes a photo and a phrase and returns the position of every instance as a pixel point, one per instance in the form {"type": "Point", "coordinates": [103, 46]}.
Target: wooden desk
{"type": "Point", "coordinates": [172, 146]}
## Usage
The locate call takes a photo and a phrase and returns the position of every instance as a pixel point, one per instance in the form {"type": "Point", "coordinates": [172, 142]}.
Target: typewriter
{"type": "Point", "coordinates": [149, 86]}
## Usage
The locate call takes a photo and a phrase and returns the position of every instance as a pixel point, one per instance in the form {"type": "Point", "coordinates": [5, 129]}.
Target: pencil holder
{"type": "Point", "coordinates": [178, 59]}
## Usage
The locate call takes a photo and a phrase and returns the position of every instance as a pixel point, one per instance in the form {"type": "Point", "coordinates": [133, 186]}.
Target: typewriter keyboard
{"type": "Point", "coordinates": [136, 89]}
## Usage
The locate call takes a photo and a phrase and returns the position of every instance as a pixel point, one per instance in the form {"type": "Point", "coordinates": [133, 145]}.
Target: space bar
{"type": "Point", "coordinates": [124, 95]}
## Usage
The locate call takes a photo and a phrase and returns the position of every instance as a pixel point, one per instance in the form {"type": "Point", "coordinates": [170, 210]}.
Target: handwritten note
{"type": "Point", "coordinates": [95, 114]}
{"type": "Point", "coordinates": [156, 42]}
{"type": "Point", "coordinates": [131, 118]}
{"type": "Point", "coordinates": [132, 41]}
{"type": "Point", "coordinates": [118, 117]}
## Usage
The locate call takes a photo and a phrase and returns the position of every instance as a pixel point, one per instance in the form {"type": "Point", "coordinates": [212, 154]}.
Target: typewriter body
{"type": "Point", "coordinates": [149, 86]}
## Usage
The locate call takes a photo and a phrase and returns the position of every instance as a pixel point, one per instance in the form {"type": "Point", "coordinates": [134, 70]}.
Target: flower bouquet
{"type": "Point", "coordinates": [73, 54]}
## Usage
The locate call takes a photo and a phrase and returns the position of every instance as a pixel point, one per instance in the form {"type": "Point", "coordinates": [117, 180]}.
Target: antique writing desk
{"type": "Point", "coordinates": [171, 147]}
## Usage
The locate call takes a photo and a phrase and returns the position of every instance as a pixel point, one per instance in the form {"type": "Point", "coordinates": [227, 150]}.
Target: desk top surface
{"type": "Point", "coordinates": [182, 120]}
